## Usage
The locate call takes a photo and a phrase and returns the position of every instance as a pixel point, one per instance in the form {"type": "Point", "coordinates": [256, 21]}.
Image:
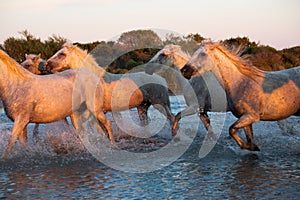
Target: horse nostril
{"type": "Point", "coordinates": [47, 66]}
{"type": "Point", "coordinates": [186, 71]}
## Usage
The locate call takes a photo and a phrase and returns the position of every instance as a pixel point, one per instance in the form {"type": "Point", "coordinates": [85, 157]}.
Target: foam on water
{"type": "Point", "coordinates": [58, 139]}
{"type": "Point", "coordinates": [59, 165]}
{"type": "Point", "coordinates": [55, 138]}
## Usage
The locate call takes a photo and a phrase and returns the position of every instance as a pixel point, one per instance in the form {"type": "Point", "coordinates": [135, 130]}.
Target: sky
{"type": "Point", "coordinates": [270, 22]}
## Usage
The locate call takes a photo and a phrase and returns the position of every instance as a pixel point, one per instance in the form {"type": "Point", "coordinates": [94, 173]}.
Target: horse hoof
{"type": "Point", "coordinates": [250, 147]}
{"type": "Point", "coordinates": [174, 129]}
{"type": "Point", "coordinates": [174, 132]}
{"type": "Point", "coordinates": [254, 148]}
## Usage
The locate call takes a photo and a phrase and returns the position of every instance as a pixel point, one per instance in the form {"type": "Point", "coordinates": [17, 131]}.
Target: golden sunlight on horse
{"type": "Point", "coordinates": [122, 91]}
{"type": "Point", "coordinates": [252, 94]}
{"type": "Point", "coordinates": [29, 98]}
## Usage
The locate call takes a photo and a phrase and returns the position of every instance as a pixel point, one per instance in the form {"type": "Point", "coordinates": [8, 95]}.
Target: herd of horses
{"type": "Point", "coordinates": [75, 84]}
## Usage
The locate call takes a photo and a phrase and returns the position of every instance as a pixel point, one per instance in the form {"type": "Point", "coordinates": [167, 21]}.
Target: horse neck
{"type": "Point", "coordinates": [181, 61]}
{"type": "Point", "coordinates": [231, 72]}
{"type": "Point", "coordinates": [11, 75]}
{"type": "Point", "coordinates": [227, 73]}
{"type": "Point", "coordinates": [90, 64]}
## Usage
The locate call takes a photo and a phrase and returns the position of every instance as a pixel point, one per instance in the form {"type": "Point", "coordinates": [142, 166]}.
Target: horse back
{"type": "Point", "coordinates": [121, 95]}
{"type": "Point", "coordinates": [294, 74]}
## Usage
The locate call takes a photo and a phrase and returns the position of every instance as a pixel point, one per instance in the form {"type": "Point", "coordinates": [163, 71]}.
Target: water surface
{"type": "Point", "coordinates": [58, 166]}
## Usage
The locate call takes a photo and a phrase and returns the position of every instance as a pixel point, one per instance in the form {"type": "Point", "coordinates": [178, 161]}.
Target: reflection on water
{"type": "Point", "coordinates": [227, 172]}
{"type": "Point", "coordinates": [220, 175]}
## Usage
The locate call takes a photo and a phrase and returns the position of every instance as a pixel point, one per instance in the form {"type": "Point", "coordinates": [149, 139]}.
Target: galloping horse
{"type": "Point", "coordinates": [35, 64]}
{"type": "Point", "coordinates": [252, 94]}
{"type": "Point", "coordinates": [122, 92]}
{"type": "Point", "coordinates": [31, 98]}
{"type": "Point", "coordinates": [173, 56]}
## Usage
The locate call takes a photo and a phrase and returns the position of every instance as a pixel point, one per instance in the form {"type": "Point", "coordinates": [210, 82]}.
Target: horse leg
{"type": "Point", "coordinates": [18, 129]}
{"type": "Point", "coordinates": [205, 120]}
{"type": "Point", "coordinates": [190, 110]}
{"type": "Point", "coordinates": [249, 135]}
{"type": "Point", "coordinates": [35, 131]}
{"type": "Point", "coordinates": [244, 121]}
{"type": "Point", "coordinates": [107, 124]}
{"type": "Point", "coordinates": [77, 122]}
{"type": "Point", "coordinates": [166, 111]}
{"type": "Point", "coordinates": [170, 115]}
{"type": "Point", "coordinates": [142, 111]}
{"type": "Point", "coordinates": [23, 137]}
{"type": "Point", "coordinates": [175, 124]}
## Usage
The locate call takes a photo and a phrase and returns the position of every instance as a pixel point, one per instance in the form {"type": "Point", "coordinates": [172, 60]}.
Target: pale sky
{"type": "Point", "coordinates": [269, 22]}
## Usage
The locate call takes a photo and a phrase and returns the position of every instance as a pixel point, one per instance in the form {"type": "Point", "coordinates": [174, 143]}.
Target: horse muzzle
{"type": "Point", "coordinates": [187, 71]}
{"type": "Point", "coordinates": [48, 66]}
{"type": "Point", "coordinates": [41, 67]}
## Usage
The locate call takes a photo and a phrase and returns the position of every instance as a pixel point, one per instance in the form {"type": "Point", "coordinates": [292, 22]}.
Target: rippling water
{"type": "Point", "coordinates": [58, 166]}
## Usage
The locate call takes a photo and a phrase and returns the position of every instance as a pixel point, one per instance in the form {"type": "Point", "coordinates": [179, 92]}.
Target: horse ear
{"type": "Point", "coordinates": [167, 52]}
{"type": "Point", "coordinates": [68, 45]}
{"type": "Point", "coordinates": [26, 55]}
{"type": "Point", "coordinates": [37, 57]}
{"type": "Point", "coordinates": [206, 41]}
{"type": "Point", "coordinates": [74, 46]}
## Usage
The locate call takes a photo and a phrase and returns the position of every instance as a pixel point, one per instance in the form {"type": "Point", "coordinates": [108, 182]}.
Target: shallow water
{"type": "Point", "coordinates": [58, 166]}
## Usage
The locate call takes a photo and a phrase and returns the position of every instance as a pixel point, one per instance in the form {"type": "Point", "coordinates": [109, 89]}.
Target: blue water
{"type": "Point", "coordinates": [40, 172]}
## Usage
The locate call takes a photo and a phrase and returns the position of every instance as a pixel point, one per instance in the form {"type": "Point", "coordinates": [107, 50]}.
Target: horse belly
{"type": "Point", "coordinates": [51, 113]}
{"type": "Point", "coordinates": [122, 95]}
{"type": "Point", "coordinates": [53, 103]}
{"type": "Point", "coordinates": [281, 103]}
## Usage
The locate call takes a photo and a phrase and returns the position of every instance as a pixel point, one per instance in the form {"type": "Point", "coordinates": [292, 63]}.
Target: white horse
{"type": "Point", "coordinates": [29, 98]}
{"type": "Point", "coordinates": [252, 94]}
{"type": "Point", "coordinates": [122, 92]}
{"type": "Point", "coordinates": [172, 56]}
{"type": "Point", "coordinates": [35, 64]}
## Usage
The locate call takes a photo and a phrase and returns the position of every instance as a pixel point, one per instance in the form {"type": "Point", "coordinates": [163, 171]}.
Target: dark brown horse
{"type": "Point", "coordinates": [122, 92]}
{"type": "Point", "coordinates": [31, 98]}
{"type": "Point", "coordinates": [252, 94]}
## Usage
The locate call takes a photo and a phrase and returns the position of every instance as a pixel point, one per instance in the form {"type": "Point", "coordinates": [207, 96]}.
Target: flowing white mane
{"type": "Point", "coordinates": [171, 55]}
{"type": "Point", "coordinates": [89, 61]}
{"type": "Point", "coordinates": [172, 49]}
{"type": "Point", "coordinates": [13, 66]}
{"type": "Point", "coordinates": [241, 64]}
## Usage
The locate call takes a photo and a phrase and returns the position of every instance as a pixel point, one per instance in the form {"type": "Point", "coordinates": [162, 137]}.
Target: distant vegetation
{"type": "Point", "coordinates": [129, 50]}
{"type": "Point", "coordinates": [265, 57]}
{"type": "Point", "coordinates": [18, 47]}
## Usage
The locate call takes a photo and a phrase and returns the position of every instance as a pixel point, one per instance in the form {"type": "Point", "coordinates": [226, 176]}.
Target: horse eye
{"type": "Point", "coordinates": [203, 54]}
{"type": "Point", "coordinates": [62, 54]}
{"type": "Point", "coordinates": [162, 55]}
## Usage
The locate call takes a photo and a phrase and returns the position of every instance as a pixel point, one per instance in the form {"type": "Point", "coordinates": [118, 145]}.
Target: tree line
{"type": "Point", "coordinates": [137, 47]}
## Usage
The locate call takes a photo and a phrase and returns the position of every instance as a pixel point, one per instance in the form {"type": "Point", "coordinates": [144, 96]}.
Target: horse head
{"type": "Point", "coordinates": [200, 62]}
{"type": "Point", "coordinates": [34, 63]}
{"type": "Point", "coordinates": [70, 56]}
{"type": "Point", "coordinates": [171, 56]}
